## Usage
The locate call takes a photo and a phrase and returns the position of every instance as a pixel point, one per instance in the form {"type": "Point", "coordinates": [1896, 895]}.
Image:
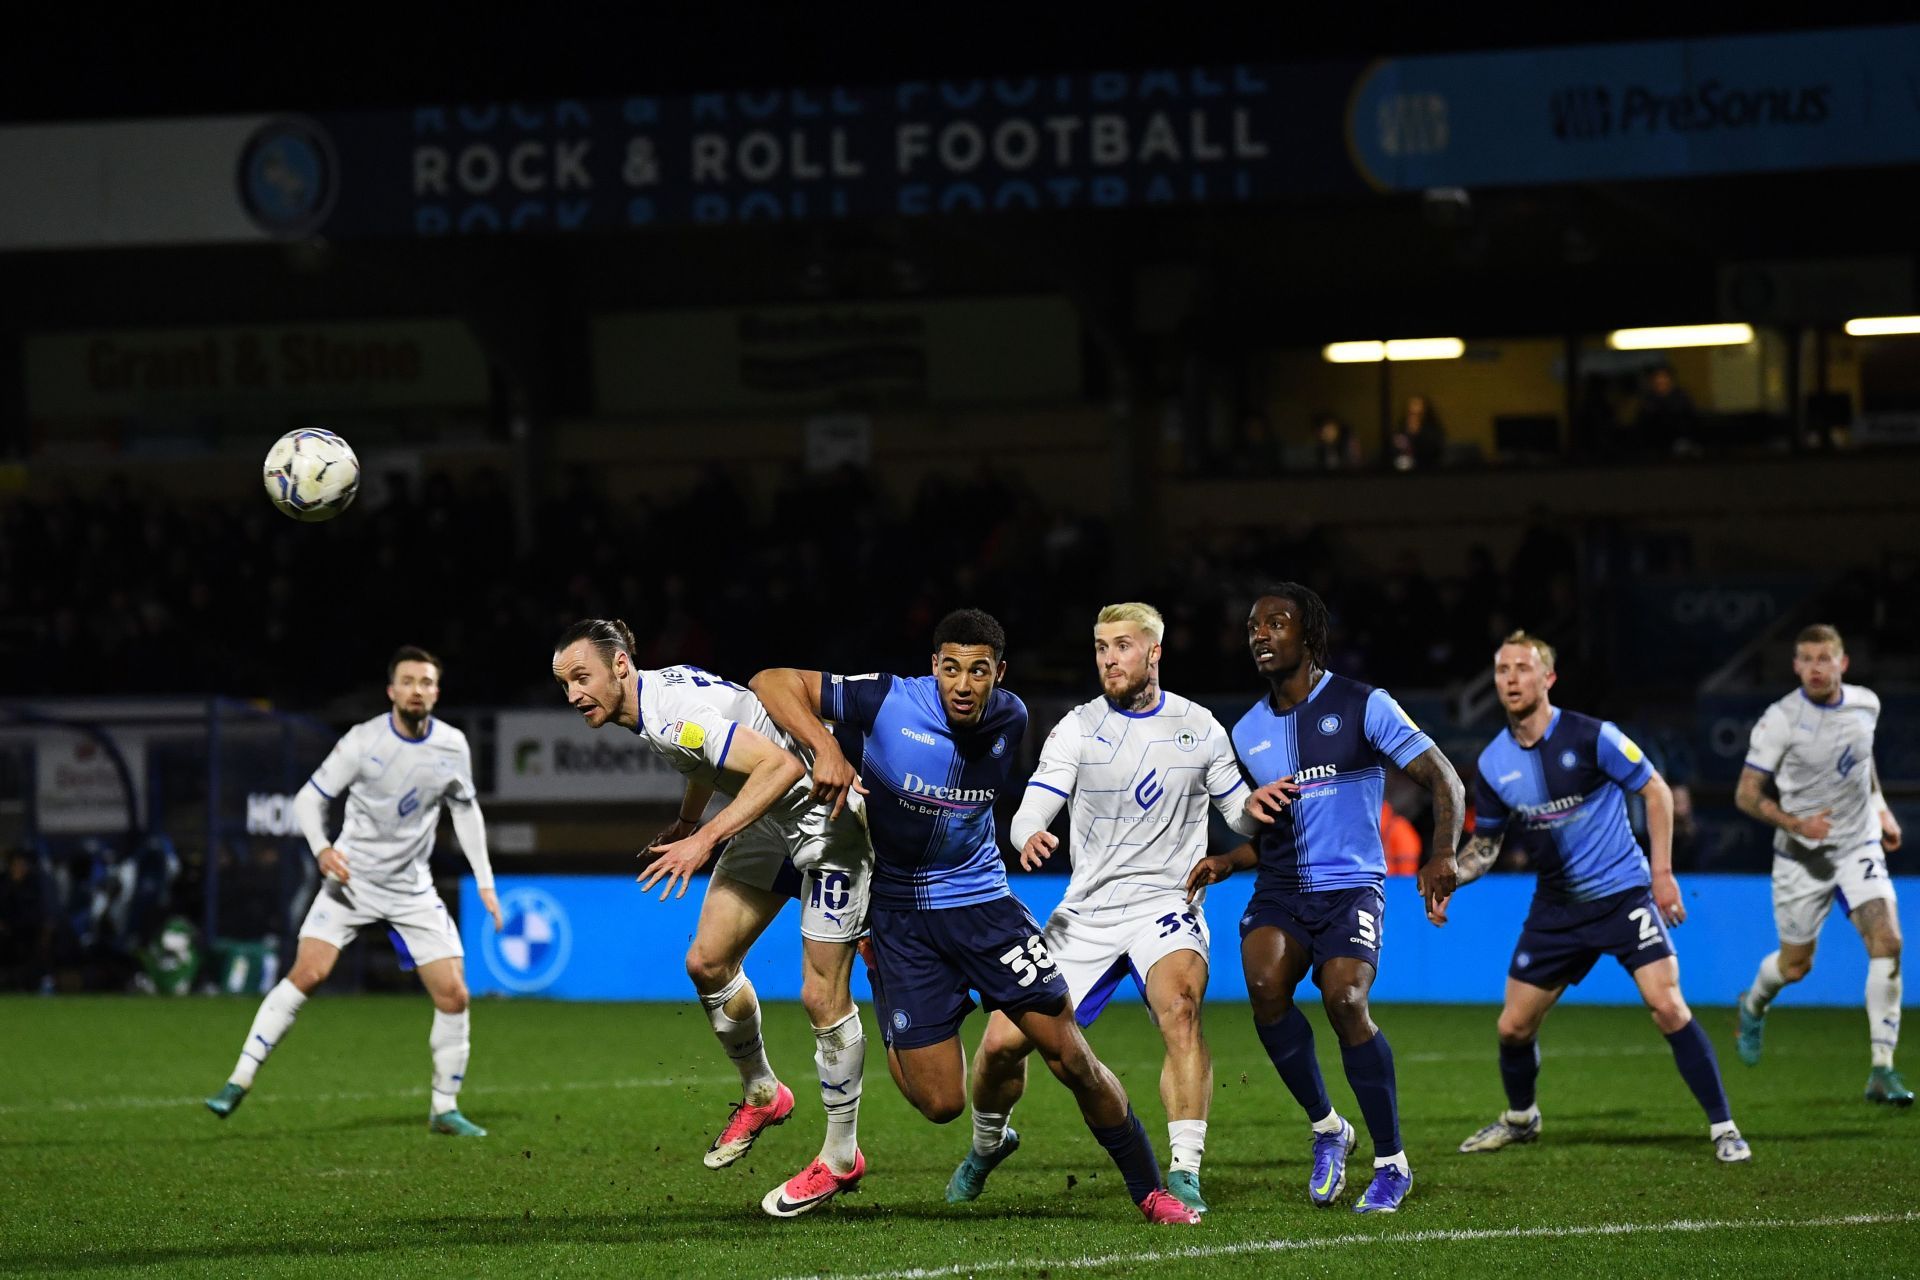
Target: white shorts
{"type": "Point", "coordinates": [1803, 892]}
{"type": "Point", "coordinates": [1098, 948]}
{"type": "Point", "coordinates": [834, 860]}
{"type": "Point", "coordinates": [340, 911]}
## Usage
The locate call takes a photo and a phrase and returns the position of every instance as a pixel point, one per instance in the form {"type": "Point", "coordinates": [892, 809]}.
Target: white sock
{"type": "Point", "coordinates": [1766, 984]}
{"type": "Point", "coordinates": [1722, 1127]}
{"type": "Point", "coordinates": [989, 1131]}
{"type": "Point", "coordinates": [1398, 1160]}
{"type": "Point", "coordinates": [1521, 1117]}
{"type": "Point", "coordinates": [269, 1025]}
{"type": "Point", "coordinates": [740, 1037]}
{"type": "Point", "coordinates": [840, 1052]}
{"type": "Point", "coordinates": [451, 1044]}
{"type": "Point", "coordinates": [1187, 1142]}
{"type": "Point", "coordinates": [1331, 1124]}
{"type": "Point", "coordinates": [1883, 1007]}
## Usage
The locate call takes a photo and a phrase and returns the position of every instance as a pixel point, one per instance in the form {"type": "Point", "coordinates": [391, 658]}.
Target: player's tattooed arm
{"type": "Point", "coordinates": [1438, 876]}
{"type": "Point", "coordinates": [1751, 798]}
{"type": "Point", "coordinates": [1477, 858]}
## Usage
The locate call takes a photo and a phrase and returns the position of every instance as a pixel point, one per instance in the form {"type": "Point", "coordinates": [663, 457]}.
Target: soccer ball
{"type": "Point", "coordinates": [311, 474]}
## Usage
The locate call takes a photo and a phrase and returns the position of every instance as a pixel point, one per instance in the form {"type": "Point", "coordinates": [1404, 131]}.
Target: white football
{"type": "Point", "coordinates": [311, 474]}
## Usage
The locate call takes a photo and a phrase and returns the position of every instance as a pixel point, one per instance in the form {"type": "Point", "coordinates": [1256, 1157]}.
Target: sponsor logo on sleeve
{"type": "Point", "coordinates": [686, 733]}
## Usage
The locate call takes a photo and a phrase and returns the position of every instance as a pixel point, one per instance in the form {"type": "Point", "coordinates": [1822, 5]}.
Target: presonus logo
{"type": "Point", "coordinates": [1149, 790]}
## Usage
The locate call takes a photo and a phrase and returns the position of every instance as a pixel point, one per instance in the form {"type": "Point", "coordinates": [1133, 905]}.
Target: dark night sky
{"type": "Point", "coordinates": [74, 62]}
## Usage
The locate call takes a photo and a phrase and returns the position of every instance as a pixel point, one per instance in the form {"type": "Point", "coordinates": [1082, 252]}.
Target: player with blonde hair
{"type": "Point", "coordinates": [1832, 834]}
{"type": "Point", "coordinates": [1139, 767]}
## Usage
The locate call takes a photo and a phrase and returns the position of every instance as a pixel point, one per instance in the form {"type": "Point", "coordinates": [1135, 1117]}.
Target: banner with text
{"type": "Point", "coordinates": [600, 938]}
{"type": "Point", "coordinates": [867, 356]}
{"type": "Point", "coordinates": [553, 755]}
{"type": "Point", "coordinates": [1804, 100]}
{"type": "Point", "coordinates": [408, 364]}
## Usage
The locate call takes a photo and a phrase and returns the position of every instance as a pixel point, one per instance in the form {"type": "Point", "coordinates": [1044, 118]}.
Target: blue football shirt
{"type": "Point", "coordinates": [1336, 745]}
{"type": "Point", "coordinates": [1568, 792]}
{"type": "Point", "coordinates": [930, 788]}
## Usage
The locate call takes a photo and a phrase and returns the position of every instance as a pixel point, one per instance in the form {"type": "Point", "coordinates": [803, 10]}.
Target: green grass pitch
{"type": "Point", "coordinates": [600, 1113]}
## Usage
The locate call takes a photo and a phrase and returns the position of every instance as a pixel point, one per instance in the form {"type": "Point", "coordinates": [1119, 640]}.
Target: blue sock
{"type": "Point", "coordinates": [1693, 1054]}
{"type": "Point", "coordinates": [1519, 1068]}
{"type": "Point", "coordinates": [1370, 1073]}
{"type": "Point", "coordinates": [1127, 1144]}
{"type": "Point", "coordinates": [1289, 1045]}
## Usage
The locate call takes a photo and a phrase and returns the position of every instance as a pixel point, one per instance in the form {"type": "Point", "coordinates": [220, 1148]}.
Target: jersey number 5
{"type": "Point", "coordinates": [1027, 961]}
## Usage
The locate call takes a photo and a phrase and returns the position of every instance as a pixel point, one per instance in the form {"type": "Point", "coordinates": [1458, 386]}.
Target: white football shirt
{"type": "Point", "coordinates": [1139, 784]}
{"type": "Point", "coordinates": [688, 716]}
{"type": "Point", "coordinates": [394, 787]}
{"type": "Point", "coordinates": [1821, 757]}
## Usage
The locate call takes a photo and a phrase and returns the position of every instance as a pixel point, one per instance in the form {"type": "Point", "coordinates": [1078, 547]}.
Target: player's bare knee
{"type": "Point", "coordinates": [306, 978]}
{"type": "Point", "coordinates": [1516, 1032]}
{"type": "Point", "coordinates": [1180, 1020]}
{"type": "Point", "coordinates": [825, 1001]}
{"type": "Point", "coordinates": [709, 972]}
{"type": "Point", "coordinates": [1347, 1011]}
{"type": "Point", "coordinates": [1796, 969]}
{"type": "Point", "coordinates": [453, 1000]}
{"type": "Point", "coordinates": [942, 1108]}
{"type": "Point", "coordinates": [1670, 1013]}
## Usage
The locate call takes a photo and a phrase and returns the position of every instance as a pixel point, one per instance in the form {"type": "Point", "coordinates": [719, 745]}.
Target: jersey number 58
{"type": "Point", "coordinates": [1027, 961]}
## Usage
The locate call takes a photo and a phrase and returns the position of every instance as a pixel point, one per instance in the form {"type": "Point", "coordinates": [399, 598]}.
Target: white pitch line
{"type": "Point", "coordinates": [1193, 1253]}
{"type": "Point", "coordinates": [370, 1095]}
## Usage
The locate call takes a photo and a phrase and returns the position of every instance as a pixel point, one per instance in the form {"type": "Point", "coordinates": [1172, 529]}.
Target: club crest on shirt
{"type": "Point", "coordinates": [1567, 758]}
{"type": "Point", "coordinates": [686, 733]}
{"type": "Point", "coordinates": [1329, 725]}
{"type": "Point", "coordinates": [1186, 739]}
{"type": "Point", "coordinates": [1000, 745]}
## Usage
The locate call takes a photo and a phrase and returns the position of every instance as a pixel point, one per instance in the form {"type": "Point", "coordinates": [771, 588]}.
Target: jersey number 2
{"type": "Point", "coordinates": [1649, 930]}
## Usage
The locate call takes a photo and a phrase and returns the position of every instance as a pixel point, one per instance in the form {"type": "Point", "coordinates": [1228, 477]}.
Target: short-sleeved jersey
{"type": "Point", "coordinates": [394, 787]}
{"type": "Point", "coordinates": [689, 717]}
{"type": "Point", "coordinates": [1568, 791]}
{"type": "Point", "coordinates": [930, 787]}
{"type": "Point", "coordinates": [1138, 783]}
{"type": "Point", "coordinates": [1821, 757]}
{"type": "Point", "coordinates": [1335, 745]}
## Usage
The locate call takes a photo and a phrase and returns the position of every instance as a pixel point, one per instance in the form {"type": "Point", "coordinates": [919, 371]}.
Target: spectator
{"type": "Point", "coordinates": [1419, 443]}
{"type": "Point", "coordinates": [1667, 421]}
{"type": "Point", "coordinates": [1402, 841]}
{"type": "Point", "coordinates": [29, 914]}
{"type": "Point", "coordinates": [1334, 445]}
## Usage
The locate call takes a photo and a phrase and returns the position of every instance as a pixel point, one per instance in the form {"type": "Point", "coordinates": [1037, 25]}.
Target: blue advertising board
{"type": "Point", "coordinates": [600, 938]}
{"type": "Point", "coordinates": [1081, 140]}
{"type": "Point", "coordinates": [1802, 100]}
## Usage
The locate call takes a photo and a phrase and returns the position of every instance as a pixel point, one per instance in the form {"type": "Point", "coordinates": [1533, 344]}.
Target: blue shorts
{"type": "Point", "coordinates": [927, 959]}
{"type": "Point", "coordinates": [1334, 922]}
{"type": "Point", "coordinates": [1562, 941]}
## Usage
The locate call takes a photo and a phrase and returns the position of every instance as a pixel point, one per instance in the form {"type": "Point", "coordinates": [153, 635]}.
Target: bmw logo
{"type": "Point", "coordinates": [1000, 745]}
{"type": "Point", "coordinates": [1329, 724]}
{"type": "Point", "coordinates": [900, 1020]}
{"type": "Point", "coordinates": [288, 177]}
{"type": "Point", "coordinates": [531, 949]}
{"type": "Point", "coordinates": [1567, 759]}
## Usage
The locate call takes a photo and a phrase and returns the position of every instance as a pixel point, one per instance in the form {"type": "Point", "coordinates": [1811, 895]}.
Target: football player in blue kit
{"type": "Point", "coordinates": [1317, 902]}
{"type": "Point", "coordinates": [934, 753]}
{"type": "Point", "coordinates": [1562, 778]}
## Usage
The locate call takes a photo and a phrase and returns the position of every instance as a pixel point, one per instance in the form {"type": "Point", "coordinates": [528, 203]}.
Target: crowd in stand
{"type": "Point", "coordinates": [114, 592]}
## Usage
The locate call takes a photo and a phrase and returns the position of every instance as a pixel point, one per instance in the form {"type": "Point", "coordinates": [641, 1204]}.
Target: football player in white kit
{"type": "Point", "coordinates": [1833, 834]}
{"type": "Point", "coordinates": [395, 771]}
{"type": "Point", "coordinates": [1139, 766]}
{"type": "Point", "coordinates": [718, 735]}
